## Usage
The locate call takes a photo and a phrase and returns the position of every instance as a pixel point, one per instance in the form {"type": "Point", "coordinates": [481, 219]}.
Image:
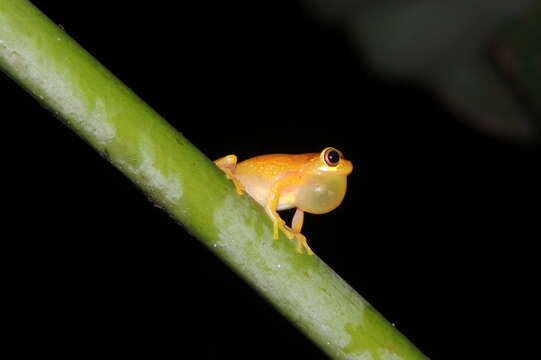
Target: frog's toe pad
{"type": "Point", "coordinates": [302, 243]}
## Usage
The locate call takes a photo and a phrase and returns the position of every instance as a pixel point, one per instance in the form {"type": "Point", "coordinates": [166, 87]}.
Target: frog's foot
{"type": "Point", "coordinates": [302, 243]}
{"type": "Point", "coordinates": [228, 164]}
{"type": "Point", "coordinates": [280, 224]}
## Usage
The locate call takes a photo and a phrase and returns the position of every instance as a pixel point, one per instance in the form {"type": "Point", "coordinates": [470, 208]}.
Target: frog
{"type": "Point", "coordinates": [315, 183]}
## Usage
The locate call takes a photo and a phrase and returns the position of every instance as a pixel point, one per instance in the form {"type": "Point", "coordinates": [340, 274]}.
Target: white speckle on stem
{"type": "Point", "coordinates": [386, 354]}
{"type": "Point", "coordinates": [364, 356]}
{"type": "Point", "coordinates": [168, 185]}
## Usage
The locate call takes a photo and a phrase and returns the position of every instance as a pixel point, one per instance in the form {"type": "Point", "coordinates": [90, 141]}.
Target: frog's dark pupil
{"type": "Point", "coordinates": [333, 157]}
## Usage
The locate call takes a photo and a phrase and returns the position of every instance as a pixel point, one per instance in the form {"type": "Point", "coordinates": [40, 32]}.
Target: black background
{"type": "Point", "coordinates": [438, 230]}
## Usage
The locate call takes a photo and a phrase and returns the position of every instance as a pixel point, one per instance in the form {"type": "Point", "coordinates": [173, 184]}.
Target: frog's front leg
{"type": "Point", "coordinates": [296, 226]}
{"type": "Point", "coordinates": [273, 199]}
{"type": "Point", "coordinates": [228, 164]}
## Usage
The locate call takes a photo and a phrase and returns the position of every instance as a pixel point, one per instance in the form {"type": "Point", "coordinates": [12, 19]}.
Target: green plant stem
{"type": "Point", "coordinates": [46, 62]}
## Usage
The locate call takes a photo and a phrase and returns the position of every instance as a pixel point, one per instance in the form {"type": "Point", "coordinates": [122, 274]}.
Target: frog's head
{"type": "Point", "coordinates": [325, 187]}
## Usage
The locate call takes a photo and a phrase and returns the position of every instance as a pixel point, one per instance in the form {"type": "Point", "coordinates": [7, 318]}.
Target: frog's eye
{"type": "Point", "coordinates": [331, 156]}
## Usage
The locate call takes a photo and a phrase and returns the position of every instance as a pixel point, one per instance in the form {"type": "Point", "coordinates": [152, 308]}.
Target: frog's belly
{"type": "Point", "coordinates": [260, 193]}
{"type": "Point", "coordinates": [287, 201]}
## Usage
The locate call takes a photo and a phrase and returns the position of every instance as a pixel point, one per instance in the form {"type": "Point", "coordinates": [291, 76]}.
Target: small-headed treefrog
{"type": "Point", "coordinates": [314, 183]}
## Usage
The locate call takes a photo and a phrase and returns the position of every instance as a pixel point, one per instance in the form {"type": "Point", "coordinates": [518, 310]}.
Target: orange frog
{"type": "Point", "coordinates": [314, 183]}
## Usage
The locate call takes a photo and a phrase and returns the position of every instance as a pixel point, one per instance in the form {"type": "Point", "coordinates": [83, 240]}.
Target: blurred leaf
{"type": "Point", "coordinates": [518, 53]}
{"type": "Point", "coordinates": [442, 45]}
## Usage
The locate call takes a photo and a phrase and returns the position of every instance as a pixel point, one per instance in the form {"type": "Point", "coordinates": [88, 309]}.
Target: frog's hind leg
{"type": "Point", "coordinates": [228, 164]}
{"type": "Point", "coordinates": [296, 226]}
{"type": "Point", "coordinates": [273, 199]}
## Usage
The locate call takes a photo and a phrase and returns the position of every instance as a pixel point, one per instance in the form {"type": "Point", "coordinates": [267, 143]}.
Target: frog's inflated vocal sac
{"type": "Point", "coordinates": [314, 183]}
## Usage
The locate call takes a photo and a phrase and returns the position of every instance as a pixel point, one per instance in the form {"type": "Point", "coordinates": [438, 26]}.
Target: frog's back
{"type": "Point", "coordinates": [271, 166]}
